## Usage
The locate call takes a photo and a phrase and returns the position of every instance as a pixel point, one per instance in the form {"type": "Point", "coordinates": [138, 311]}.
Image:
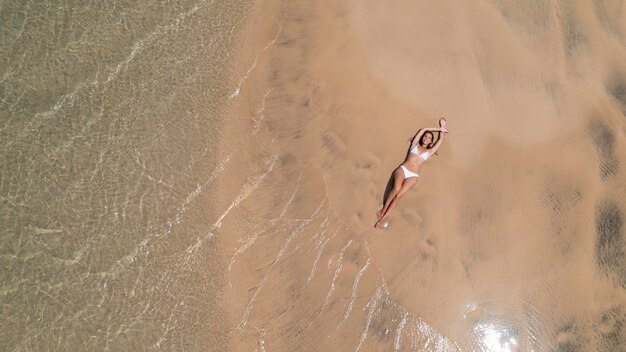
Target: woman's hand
{"type": "Point", "coordinates": [442, 122]}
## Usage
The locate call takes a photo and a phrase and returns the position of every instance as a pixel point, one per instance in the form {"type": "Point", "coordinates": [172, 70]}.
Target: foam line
{"type": "Point", "coordinates": [282, 213]}
{"type": "Point", "coordinates": [199, 188]}
{"type": "Point", "coordinates": [320, 245]}
{"type": "Point", "coordinates": [354, 288]}
{"type": "Point", "coordinates": [373, 304]}
{"type": "Point", "coordinates": [246, 245]}
{"type": "Point", "coordinates": [246, 314]}
{"type": "Point", "coordinates": [254, 237]}
{"type": "Point", "coordinates": [336, 274]}
{"type": "Point", "coordinates": [245, 77]}
{"type": "Point", "coordinates": [380, 272]}
{"type": "Point", "coordinates": [322, 233]}
{"type": "Point", "coordinates": [396, 344]}
{"type": "Point", "coordinates": [262, 341]}
{"type": "Point", "coordinates": [242, 80]}
{"type": "Point", "coordinates": [258, 116]}
{"type": "Point", "coordinates": [280, 29]}
{"type": "Point", "coordinates": [317, 258]}
{"type": "Point", "coordinates": [244, 193]}
{"type": "Point", "coordinates": [285, 245]}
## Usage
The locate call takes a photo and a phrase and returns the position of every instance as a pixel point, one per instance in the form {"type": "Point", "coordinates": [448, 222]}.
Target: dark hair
{"type": "Point", "coordinates": [432, 143]}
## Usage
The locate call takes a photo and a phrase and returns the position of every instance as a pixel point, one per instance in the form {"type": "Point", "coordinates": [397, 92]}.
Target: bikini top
{"type": "Point", "coordinates": [423, 156]}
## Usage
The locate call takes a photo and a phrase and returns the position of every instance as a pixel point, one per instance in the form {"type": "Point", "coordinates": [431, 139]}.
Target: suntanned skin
{"type": "Point", "coordinates": [423, 138]}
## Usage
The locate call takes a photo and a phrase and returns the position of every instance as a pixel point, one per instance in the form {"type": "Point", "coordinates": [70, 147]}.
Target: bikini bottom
{"type": "Point", "coordinates": [408, 173]}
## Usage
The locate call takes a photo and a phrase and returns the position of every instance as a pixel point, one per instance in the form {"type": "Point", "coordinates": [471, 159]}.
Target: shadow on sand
{"type": "Point", "coordinates": [388, 188]}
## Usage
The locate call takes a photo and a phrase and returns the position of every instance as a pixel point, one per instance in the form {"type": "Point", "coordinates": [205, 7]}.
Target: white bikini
{"type": "Point", "coordinates": [423, 156]}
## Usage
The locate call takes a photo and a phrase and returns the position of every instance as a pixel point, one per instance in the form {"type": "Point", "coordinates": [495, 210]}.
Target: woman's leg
{"type": "Point", "coordinates": [398, 178]}
{"type": "Point", "coordinates": [406, 185]}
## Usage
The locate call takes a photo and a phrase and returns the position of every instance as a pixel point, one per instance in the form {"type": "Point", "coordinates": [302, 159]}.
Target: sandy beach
{"type": "Point", "coordinates": [513, 238]}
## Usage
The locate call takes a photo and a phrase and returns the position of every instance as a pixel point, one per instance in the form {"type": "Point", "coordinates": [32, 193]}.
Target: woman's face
{"type": "Point", "coordinates": [427, 139]}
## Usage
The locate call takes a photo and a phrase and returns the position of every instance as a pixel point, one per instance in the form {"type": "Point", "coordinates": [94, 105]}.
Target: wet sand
{"type": "Point", "coordinates": [513, 239]}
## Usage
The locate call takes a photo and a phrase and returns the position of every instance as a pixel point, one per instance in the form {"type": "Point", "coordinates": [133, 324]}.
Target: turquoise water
{"type": "Point", "coordinates": [109, 117]}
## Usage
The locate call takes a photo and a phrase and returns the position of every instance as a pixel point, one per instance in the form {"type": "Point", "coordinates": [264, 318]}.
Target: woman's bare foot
{"type": "Point", "coordinates": [382, 223]}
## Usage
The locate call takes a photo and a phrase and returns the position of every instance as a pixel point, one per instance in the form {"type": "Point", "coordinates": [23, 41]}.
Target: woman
{"type": "Point", "coordinates": [405, 176]}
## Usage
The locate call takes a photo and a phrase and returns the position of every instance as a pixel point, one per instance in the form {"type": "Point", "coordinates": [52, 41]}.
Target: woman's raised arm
{"type": "Point", "coordinates": [421, 132]}
{"type": "Point", "coordinates": [442, 131]}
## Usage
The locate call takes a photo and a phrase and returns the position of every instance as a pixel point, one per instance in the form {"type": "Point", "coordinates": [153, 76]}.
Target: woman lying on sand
{"type": "Point", "coordinates": [405, 176]}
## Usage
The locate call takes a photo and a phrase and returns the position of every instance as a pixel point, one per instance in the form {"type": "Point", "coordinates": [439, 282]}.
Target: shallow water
{"type": "Point", "coordinates": [110, 118]}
